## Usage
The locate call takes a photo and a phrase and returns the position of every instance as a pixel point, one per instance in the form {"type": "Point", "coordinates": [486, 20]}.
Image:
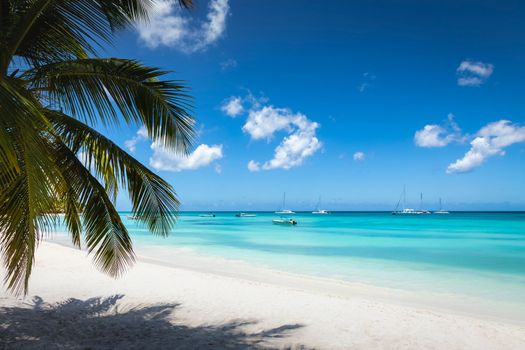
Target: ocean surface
{"type": "Point", "coordinates": [480, 254]}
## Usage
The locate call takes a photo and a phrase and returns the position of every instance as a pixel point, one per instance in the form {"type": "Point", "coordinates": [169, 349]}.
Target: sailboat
{"type": "Point", "coordinates": [441, 211]}
{"type": "Point", "coordinates": [283, 210]}
{"type": "Point", "coordinates": [318, 211]}
{"type": "Point", "coordinates": [421, 210]}
{"type": "Point", "coordinates": [405, 210]}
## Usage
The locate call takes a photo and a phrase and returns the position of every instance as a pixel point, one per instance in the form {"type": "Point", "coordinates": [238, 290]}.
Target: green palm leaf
{"type": "Point", "coordinates": [152, 198]}
{"type": "Point", "coordinates": [51, 84]}
{"type": "Point", "coordinates": [99, 87]}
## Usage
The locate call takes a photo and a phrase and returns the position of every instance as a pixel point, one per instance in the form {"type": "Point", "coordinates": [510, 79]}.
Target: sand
{"type": "Point", "coordinates": [71, 305]}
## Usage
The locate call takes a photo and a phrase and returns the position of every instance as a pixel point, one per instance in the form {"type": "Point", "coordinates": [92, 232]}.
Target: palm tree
{"type": "Point", "coordinates": [54, 88]}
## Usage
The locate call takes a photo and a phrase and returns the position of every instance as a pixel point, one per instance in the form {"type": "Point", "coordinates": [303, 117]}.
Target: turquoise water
{"type": "Point", "coordinates": [475, 254]}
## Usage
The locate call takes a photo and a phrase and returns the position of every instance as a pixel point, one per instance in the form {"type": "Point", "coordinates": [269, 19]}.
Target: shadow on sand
{"type": "Point", "coordinates": [101, 323]}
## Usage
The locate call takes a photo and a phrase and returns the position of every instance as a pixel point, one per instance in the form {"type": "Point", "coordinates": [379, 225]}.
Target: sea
{"type": "Point", "coordinates": [478, 254]}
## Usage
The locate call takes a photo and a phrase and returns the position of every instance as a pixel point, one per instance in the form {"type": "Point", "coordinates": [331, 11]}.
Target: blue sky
{"type": "Point", "coordinates": [348, 100]}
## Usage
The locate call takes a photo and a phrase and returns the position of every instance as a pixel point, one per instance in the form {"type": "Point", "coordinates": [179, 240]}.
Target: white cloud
{"type": "Point", "coordinates": [433, 135]}
{"type": "Point", "coordinates": [295, 148]}
{"type": "Point", "coordinates": [131, 144]}
{"type": "Point", "coordinates": [254, 166]}
{"type": "Point", "coordinates": [233, 107]}
{"type": "Point", "coordinates": [263, 121]}
{"type": "Point", "coordinates": [300, 144]}
{"type": "Point", "coordinates": [218, 168]}
{"type": "Point", "coordinates": [491, 140]}
{"type": "Point", "coordinates": [471, 73]}
{"type": "Point", "coordinates": [169, 26]}
{"type": "Point", "coordinates": [359, 156]}
{"type": "Point", "coordinates": [166, 160]}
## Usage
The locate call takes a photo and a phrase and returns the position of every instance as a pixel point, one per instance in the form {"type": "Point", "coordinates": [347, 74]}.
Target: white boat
{"type": "Point", "coordinates": [284, 211]}
{"type": "Point", "coordinates": [209, 215]}
{"type": "Point", "coordinates": [409, 211]}
{"type": "Point", "coordinates": [421, 210]}
{"type": "Point", "coordinates": [284, 221]}
{"type": "Point", "coordinates": [318, 211]}
{"type": "Point", "coordinates": [244, 215]}
{"type": "Point", "coordinates": [321, 212]}
{"type": "Point", "coordinates": [441, 211]}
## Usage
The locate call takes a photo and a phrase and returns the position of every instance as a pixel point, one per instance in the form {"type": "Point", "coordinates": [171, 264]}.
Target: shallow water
{"type": "Point", "coordinates": [473, 254]}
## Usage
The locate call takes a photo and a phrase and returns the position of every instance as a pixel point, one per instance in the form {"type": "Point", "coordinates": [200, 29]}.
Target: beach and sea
{"type": "Point", "coordinates": [347, 280]}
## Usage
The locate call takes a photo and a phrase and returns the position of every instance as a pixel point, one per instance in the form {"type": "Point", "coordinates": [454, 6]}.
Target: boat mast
{"type": "Point", "coordinates": [404, 196]}
{"type": "Point", "coordinates": [421, 201]}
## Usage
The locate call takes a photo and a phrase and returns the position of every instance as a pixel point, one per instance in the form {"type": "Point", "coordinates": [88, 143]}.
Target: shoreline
{"type": "Point", "coordinates": [456, 303]}
{"type": "Point", "coordinates": [460, 304]}
{"type": "Point", "coordinates": [331, 314]}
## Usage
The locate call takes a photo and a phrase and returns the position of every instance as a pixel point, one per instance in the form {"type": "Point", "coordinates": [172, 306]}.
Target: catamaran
{"type": "Point", "coordinates": [421, 210]}
{"type": "Point", "coordinates": [283, 210]}
{"type": "Point", "coordinates": [441, 211]}
{"type": "Point", "coordinates": [244, 215]}
{"type": "Point", "coordinates": [318, 211]}
{"type": "Point", "coordinates": [409, 211]}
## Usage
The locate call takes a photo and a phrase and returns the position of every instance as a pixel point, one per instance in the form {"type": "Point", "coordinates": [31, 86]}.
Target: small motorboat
{"type": "Point", "coordinates": [284, 221]}
{"type": "Point", "coordinates": [244, 215]}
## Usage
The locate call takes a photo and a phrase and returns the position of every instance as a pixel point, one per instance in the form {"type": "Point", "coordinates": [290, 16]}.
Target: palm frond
{"type": "Point", "coordinates": [54, 30]}
{"type": "Point", "coordinates": [25, 204]}
{"type": "Point", "coordinates": [98, 88]}
{"type": "Point", "coordinates": [152, 198]}
{"type": "Point", "coordinates": [48, 86]}
{"type": "Point", "coordinates": [106, 235]}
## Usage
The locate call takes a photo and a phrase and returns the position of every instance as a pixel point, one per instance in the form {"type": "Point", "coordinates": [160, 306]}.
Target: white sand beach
{"type": "Point", "coordinates": [71, 305]}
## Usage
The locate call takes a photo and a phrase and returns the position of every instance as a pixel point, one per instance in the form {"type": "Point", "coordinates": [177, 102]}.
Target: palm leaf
{"type": "Point", "coordinates": [153, 199]}
{"type": "Point", "coordinates": [26, 201]}
{"type": "Point", "coordinates": [53, 30]}
{"type": "Point", "coordinates": [97, 88]}
{"type": "Point", "coordinates": [106, 235]}
{"type": "Point", "coordinates": [44, 69]}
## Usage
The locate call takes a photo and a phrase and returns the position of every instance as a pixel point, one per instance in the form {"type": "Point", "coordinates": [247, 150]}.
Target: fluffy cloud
{"type": "Point", "coordinates": [295, 148]}
{"type": "Point", "coordinates": [491, 140]}
{"type": "Point", "coordinates": [254, 166]}
{"type": "Point", "coordinates": [166, 160]}
{"type": "Point", "coordinates": [301, 143]}
{"type": "Point", "coordinates": [233, 107]}
{"type": "Point", "coordinates": [359, 156]}
{"type": "Point", "coordinates": [131, 144]}
{"type": "Point", "coordinates": [169, 26]}
{"type": "Point", "coordinates": [472, 73]}
{"type": "Point", "coordinates": [433, 135]}
{"type": "Point", "coordinates": [263, 121]}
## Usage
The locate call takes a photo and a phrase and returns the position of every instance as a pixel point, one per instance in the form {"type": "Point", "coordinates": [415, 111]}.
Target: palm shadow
{"type": "Point", "coordinates": [103, 323]}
